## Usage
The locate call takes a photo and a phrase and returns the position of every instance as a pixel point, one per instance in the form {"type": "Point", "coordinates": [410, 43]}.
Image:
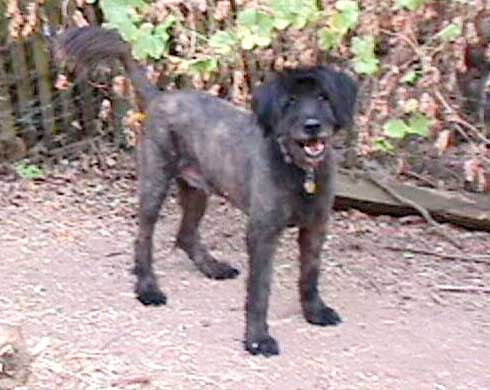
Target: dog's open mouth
{"type": "Point", "coordinates": [313, 148]}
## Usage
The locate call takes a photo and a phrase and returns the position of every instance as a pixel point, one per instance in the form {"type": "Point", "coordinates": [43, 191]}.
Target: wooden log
{"type": "Point", "coordinates": [463, 209]}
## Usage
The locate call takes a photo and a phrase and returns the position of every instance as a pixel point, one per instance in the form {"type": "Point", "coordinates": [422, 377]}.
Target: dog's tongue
{"type": "Point", "coordinates": [314, 148]}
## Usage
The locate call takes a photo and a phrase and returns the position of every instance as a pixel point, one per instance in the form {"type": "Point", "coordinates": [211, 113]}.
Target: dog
{"type": "Point", "coordinates": [275, 164]}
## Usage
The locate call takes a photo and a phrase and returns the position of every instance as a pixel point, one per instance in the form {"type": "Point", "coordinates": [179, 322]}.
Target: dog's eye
{"type": "Point", "coordinates": [292, 100]}
{"type": "Point", "coordinates": [323, 98]}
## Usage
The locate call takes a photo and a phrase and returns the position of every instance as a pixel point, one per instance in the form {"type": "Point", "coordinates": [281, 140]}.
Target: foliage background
{"type": "Point", "coordinates": [421, 66]}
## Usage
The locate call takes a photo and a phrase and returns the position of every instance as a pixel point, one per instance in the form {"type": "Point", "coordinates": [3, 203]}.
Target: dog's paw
{"type": "Point", "coordinates": [323, 316]}
{"type": "Point", "coordinates": [218, 270]}
{"type": "Point", "coordinates": [148, 293]}
{"type": "Point", "coordinates": [266, 346]}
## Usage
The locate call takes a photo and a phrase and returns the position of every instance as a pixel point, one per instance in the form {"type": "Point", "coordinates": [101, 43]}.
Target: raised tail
{"type": "Point", "coordinates": [87, 46]}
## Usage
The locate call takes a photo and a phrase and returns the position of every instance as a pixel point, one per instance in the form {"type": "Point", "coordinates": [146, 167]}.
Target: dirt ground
{"type": "Point", "coordinates": [66, 254]}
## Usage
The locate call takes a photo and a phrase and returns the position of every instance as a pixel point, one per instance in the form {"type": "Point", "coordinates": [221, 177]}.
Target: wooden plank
{"type": "Point", "coordinates": [24, 91]}
{"type": "Point", "coordinates": [41, 62]}
{"type": "Point", "coordinates": [463, 209]}
{"type": "Point", "coordinates": [7, 123]}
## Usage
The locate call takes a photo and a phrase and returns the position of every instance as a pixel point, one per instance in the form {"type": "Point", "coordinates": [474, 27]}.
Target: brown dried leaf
{"type": "Point", "coordinates": [122, 87]}
{"type": "Point", "coordinates": [105, 112]}
{"type": "Point", "coordinates": [443, 141]}
{"type": "Point", "coordinates": [79, 19]}
{"type": "Point", "coordinates": [152, 74]}
{"type": "Point", "coordinates": [62, 83]}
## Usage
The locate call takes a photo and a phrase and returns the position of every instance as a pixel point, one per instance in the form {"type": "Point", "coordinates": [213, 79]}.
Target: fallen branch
{"type": "Point", "coordinates": [420, 209]}
{"type": "Point", "coordinates": [472, 258]}
{"type": "Point", "coordinates": [464, 289]}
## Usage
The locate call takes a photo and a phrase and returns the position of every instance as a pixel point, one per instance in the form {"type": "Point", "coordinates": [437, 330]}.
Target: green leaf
{"type": "Point", "coordinates": [328, 39]}
{"type": "Point", "coordinates": [254, 29]}
{"type": "Point", "coordinates": [294, 12]}
{"type": "Point", "coordinates": [263, 40]}
{"type": "Point", "coordinates": [29, 171]}
{"type": "Point", "coordinates": [396, 128]}
{"type": "Point", "coordinates": [411, 5]}
{"type": "Point", "coordinates": [281, 24]}
{"type": "Point", "coordinates": [127, 29]}
{"type": "Point", "coordinates": [147, 44]}
{"type": "Point", "coordinates": [247, 42]}
{"type": "Point", "coordinates": [365, 62]}
{"type": "Point", "coordinates": [202, 65]}
{"type": "Point", "coordinates": [383, 145]}
{"type": "Point", "coordinates": [134, 3]}
{"type": "Point", "coordinates": [411, 105]}
{"type": "Point", "coordinates": [366, 65]}
{"type": "Point", "coordinates": [223, 42]}
{"type": "Point", "coordinates": [419, 124]}
{"type": "Point", "coordinates": [449, 33]}
{"type": "Point", "coordinates": [363, 47]}
{"type": "Point", "coordinates": [349, 13]}
{"type": "Point", "coordinates": [247, 18]}
{"type": "Point", "coordinates": [164, 26]}
{"type": "Point", "coordinates": [411, 77]}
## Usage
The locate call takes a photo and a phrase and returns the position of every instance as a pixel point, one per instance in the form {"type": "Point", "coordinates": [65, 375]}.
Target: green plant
{"type": "Point", "coordinates": [449, 33]}
{"type": "Point", "coordinates": [411, 5]}
{"type": "Point", "coordinates": [254, 28]}
{"type": "Point", "coordinates": [29, 171]}
{"type": "Point", "coordinates": [417, 124]}
{"type": "Point", "coordinates": [147, 40]}
{"type": "Point", "coordinates": [223, 42]}
{"type": "Point", "coordinates": [295, 13]}
{"type": "Point", "coordinates": [341, 21]}
{"type": "Point", "coordinates": [398, 129]}
{"type": "Point", "coordinates": [365, 61]}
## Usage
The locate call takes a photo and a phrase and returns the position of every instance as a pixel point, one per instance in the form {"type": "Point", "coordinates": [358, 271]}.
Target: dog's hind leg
{"type": "Point", "coordinates": [153, 182]}
{"type": "Point", "coordinates": [193, 202]}
{"type": "Point", "coordinates": [310, 245]}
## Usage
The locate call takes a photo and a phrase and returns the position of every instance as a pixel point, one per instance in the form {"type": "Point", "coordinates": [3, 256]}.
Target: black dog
{"type": "Point", "coordinates": [275, 164]}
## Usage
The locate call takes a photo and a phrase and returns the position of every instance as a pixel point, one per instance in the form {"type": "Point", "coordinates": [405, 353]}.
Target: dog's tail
{"type": "Point", "coordinates": [87, 46]}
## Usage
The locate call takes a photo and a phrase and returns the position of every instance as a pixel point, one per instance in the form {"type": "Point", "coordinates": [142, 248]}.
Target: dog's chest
{"type": "Point", "coordinates": [308, 209]}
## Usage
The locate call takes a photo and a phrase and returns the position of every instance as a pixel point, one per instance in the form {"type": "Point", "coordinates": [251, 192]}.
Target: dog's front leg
{"type": "Point", "coordinates": [310, 245]}
{"type": "Point", "coordinates": [262, 239]}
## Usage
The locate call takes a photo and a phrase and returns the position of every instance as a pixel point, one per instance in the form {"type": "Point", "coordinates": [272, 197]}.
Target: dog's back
{"type": "Point", "coordinates": [220, 149]}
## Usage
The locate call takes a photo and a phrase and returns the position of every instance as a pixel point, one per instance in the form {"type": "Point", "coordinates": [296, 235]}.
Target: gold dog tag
{"type": "Point", "coordinates": [310, 187]}
{"type": "Point", "coordinates": [309, 184]}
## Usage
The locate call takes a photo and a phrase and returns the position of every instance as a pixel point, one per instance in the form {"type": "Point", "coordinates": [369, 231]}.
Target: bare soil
{"type": "Point", "coordinates": [66, 254]}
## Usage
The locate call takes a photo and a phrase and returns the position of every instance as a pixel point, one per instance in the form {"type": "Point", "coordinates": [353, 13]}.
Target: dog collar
{"type": "Point", "coordinates": [310, 184]}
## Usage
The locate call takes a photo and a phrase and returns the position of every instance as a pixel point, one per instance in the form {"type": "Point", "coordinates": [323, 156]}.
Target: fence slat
{"type": "Point", "coordinates": [7, 124]}
{"type": "Point", "coordinates": [24, 92]}
{"type": "Point", "coordinates": [40, 53]}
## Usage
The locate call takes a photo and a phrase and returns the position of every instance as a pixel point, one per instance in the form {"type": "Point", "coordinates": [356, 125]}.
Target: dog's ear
{"type": "Point", "coordinates": [342, 93]}
{"type": "Point", "coordinates": [264, 99]}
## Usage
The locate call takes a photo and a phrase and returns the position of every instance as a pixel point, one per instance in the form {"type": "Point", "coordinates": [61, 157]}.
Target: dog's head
{"type": "Point", "coordinates": [302, 108]}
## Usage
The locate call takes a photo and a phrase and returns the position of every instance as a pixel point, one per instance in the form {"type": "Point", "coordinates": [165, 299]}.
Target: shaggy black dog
{"type": "Point", "coordinates": [274, 164]}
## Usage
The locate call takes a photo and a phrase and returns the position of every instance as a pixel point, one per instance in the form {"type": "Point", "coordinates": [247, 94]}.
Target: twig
{"type": "Point", "coordinates": [463, 289]}
{"type": "Point", "coordinates": [455, 118]}
{"type": "Point", "coordinates": [132, 380]}
{"type": "Point", "coordinates": [473, 258]}
{"type": "Point", "coordinates": [74, 146]}
{"type": "Point", "coordinates": [415, 175]}
{"type": "Point", "coordinates": [422, 210]}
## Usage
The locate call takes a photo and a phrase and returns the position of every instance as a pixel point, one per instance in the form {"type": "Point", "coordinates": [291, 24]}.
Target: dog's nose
{"type": "Point", "coordinates": [312, 124]}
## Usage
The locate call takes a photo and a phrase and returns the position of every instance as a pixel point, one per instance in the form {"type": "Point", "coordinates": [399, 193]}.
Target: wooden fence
{"type": "Point", "coordinates": [33, 112]}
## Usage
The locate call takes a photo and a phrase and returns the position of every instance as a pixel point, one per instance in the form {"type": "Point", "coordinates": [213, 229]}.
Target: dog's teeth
{"type": "Point", "coordinates": [314, 149]}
